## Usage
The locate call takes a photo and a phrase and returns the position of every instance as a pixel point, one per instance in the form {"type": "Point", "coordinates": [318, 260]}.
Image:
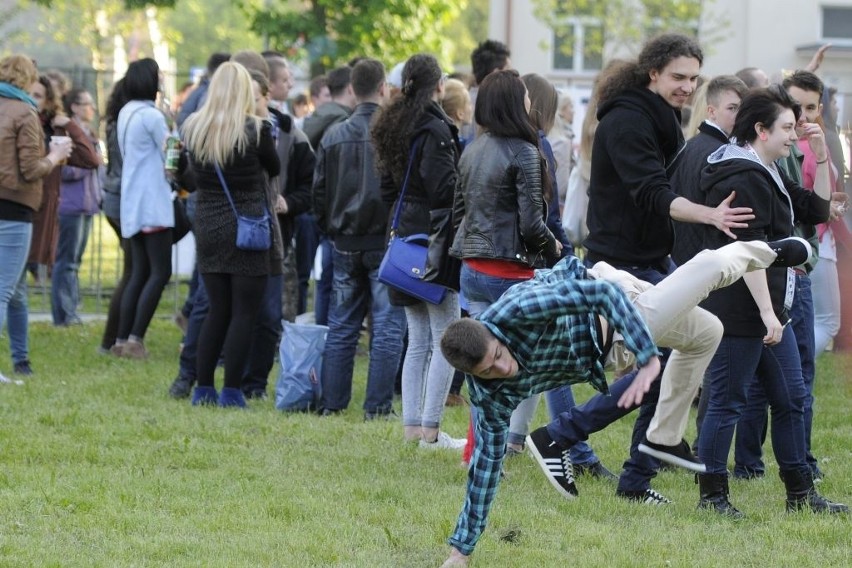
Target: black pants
{"type": "Point", "coordinates": [234, 305]}
{"type": "Point", "coordinates": [114, 313]}
{"type": "Point", "coordinates": [151, 259]}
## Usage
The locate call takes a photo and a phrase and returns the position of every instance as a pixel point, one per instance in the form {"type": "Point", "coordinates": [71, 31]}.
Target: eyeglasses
{"type": "Point", "coordinates": [85, 103]}
{"type": "Point", "coordinates": [444, 77]}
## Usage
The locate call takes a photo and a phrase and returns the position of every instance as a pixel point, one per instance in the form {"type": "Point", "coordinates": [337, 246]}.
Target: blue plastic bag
{"type": "Point", "coordinates": [298, 387]}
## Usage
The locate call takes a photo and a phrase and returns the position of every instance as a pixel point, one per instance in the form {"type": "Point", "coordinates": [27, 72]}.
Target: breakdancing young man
{"type": "Point", "coordinates": [565, 326]}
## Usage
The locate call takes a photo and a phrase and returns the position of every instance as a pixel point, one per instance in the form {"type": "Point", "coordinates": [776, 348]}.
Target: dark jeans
{"type": "Point", "coordinates": [308, 240]}
{"type": "Point", "coordinates": [575, 425]}
{"type": "Point", "coordinates": [752, 427]}
{"type": "Point", "coordinates": [265, 338]}
{"type": "Point", "coordinates": [152, 268]}
{"type": "Point", "coordinates": [639, 468]}
{"type": "Point", "coordinates": [189, 353]}
{"type": "Point", "coordinates": [357, 289]}
{"type": "Point", "coordinates": [738, 364]}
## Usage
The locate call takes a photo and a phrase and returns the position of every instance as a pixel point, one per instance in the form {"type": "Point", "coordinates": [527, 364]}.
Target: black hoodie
{"type": "Point", "coordinates": [637, 140]}
{"type": "Point", "coordinates": [731, 169]}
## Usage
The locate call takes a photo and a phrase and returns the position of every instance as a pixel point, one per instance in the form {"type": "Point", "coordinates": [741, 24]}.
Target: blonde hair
{"type": "Point", "coordinates": [18, 70]}
{"type": "Point", "coordinates": [699, 111]}
{"type": "Point", "coordinates": [219, 128]}
{"type": "Point", "coordinates": [456, 98]}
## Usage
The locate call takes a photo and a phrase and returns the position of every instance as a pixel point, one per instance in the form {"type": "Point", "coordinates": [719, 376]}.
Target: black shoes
{"type": "Point", "coordinates": [554, 462]}
{"type": "Point", "coordinates": [713, 488]}
{"type": "Point", "coordinates": [24, 368]}
{"type": "Point", "coordinates": [330, 412]}
{"type": "Point", "coordinates": [181, 387]}
{"type": "Point", "coordinates": [647, 497]}
{"type": "Point", "coordinates": [679, 455]}
{"type": "Point", "coordinates": [596, 470]}
{"type": "Point", "coordinates": [791, 251]}
{"type": "Point", "coordinates": [801, 494]}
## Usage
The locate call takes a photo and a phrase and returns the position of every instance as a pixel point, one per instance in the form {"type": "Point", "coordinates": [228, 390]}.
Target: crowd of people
{"type": "Point", "coordinates": [708, 265]}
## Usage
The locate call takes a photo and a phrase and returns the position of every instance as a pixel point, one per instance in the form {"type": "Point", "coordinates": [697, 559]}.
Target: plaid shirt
{"type": "Point", "coordinates": [548, 324]}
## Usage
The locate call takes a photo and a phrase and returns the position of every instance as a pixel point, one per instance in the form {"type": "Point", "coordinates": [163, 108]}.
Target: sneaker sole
{"type": "Point", "coordinates": [674, 460]}
{"type": "Point", "coordinates": [540, 461]}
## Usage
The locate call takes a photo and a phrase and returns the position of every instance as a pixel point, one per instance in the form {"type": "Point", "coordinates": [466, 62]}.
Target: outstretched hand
{"type": "Point", "coordinates": [726, 217]}
{"type": "Point", "coordinates": [646, 376]}
{"type": "Point", "coordinates": [816, 60]}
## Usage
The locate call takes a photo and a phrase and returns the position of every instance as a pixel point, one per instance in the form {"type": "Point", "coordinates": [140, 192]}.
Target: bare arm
{"type": "Point", "coordinates": [759, 288]}
{"type": "Point", "coordinates": [723, 216]}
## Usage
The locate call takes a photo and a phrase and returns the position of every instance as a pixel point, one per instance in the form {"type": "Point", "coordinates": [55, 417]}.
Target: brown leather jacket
{"type": "Point", "coordinates": [22, 159]}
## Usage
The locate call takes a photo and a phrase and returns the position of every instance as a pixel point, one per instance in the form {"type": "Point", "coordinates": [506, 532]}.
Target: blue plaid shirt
{"type": "Point", "coordinates": [548, 324]}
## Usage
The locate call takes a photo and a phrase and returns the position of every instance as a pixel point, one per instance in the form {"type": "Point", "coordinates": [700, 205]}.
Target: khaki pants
{"type": "Point", "coordinates": [671, 313]}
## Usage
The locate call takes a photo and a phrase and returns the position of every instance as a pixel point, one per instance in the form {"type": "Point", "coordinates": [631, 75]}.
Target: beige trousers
{"type": "Point", "coordinates": [670, 309]}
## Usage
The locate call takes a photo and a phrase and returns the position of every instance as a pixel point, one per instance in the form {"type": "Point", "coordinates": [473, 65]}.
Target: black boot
{"type": "Point", "coordinates": [714, 494]}
{"type": "Point", "coordinates": [801, 493]}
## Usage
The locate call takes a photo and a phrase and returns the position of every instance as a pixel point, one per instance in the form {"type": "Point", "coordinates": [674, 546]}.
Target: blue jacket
{"type": "Point", "coordinates": [146, 195]}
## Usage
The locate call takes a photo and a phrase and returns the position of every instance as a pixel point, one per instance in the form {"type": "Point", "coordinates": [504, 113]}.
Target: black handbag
{"type": "Point", "coordinates": [253, 233]}
{"type": "Point", "coordinates": [404, 263]}
{"type": "Point", "coordinates": [182, 224]}
{"type": "Point", "coordinates": [441, 268]}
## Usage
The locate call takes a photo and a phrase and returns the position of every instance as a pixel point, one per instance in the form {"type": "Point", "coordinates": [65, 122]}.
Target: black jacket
{"type": "Point", "coordinates": [773, 208]}
{"type": "Point", "coordinates": [432, 182]}
{"type": "Point", "coordinates": [498, 205]}
{"type": "Point", "coordinates": [297, 171]}
{"type": "Point", "coordinates": [347, 188]}
{"type": "Point", "coordinates": [324, 117]}
{"type": "Point", "coordinates": [686, 182]}
{"type": "Point", "coordinates": [637, 140]}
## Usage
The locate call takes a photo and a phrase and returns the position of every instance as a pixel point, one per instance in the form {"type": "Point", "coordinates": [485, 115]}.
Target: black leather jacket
{"type": "Point", "coordinates": [347, 195]}
{"type": "Point", "coordinates": [500, 204]}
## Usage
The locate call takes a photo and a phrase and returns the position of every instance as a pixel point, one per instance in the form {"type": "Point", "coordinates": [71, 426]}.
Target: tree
{"type": "Point", "coordinates": [330, 32]}
{"type": "Point", "coordinates": [196, 28]}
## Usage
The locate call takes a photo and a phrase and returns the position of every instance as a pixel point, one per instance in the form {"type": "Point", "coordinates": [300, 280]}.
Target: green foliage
{"type": "Point", "coordinates": [330, 32]}
{"type": "Point", "coordinates": [197, 28]}
{"type": "Point", "coordinates": [128, 4]}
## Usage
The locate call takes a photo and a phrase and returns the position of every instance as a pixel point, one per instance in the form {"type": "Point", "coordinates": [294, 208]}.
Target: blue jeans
{"type": "Point", "coordinates": [739, 362]}
{"type": "Point", "coordinates": [482, 290]}
{"type": "Point", "coordinates": [65, 286]}
{"type": "Point", "coordinates": [18, 321]}
{"type": "Point", "coordinates": [267, 334]}
{"type": "Point", "coordinates": [639, 468]}
{"type": "Point", "coordinates": [356, 288]}
{"type": "Point", "coordinates": [752, 426]}
{"type": "Point", "coordinates": [15, 239]}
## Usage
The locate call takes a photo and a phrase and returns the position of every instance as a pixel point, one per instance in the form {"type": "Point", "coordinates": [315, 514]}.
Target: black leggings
{"type": "Point", "coordinates": [234, 306]}
{"type": "Point", "coordinates": [114, 313]}
{"type": "Point", "coordinates": [151, 257]}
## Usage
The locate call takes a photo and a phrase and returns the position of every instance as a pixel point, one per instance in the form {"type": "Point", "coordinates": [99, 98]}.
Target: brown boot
{"type": "Point", "coordinates": [134, 349]}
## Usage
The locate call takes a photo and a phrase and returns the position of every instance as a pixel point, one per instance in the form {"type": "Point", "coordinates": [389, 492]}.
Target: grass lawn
{"type": "Point", "coordinates": [99, 467]}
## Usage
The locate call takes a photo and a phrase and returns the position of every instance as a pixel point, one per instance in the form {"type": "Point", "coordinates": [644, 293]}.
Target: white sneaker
{"type": "Point", "coordinates": [444, 442]}
{"type": "Point", "coordinates": [4, 380]}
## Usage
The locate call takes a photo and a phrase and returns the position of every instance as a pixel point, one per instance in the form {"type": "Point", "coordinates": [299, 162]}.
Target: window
{"type": "Point", "coordinates": [578, 44]}
{"type": "Point", "coordinates": [836, 23]}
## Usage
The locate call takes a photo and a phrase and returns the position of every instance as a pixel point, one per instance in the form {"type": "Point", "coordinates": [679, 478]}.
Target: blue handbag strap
{"type": "Point", "coordinates": [228, 193]}
{"type": "Point", "coordinates": [398, 212]}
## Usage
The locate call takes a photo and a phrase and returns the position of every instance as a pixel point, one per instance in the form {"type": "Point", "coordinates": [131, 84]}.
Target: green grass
{"type": "Point", "coordinates": [100, 468]}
